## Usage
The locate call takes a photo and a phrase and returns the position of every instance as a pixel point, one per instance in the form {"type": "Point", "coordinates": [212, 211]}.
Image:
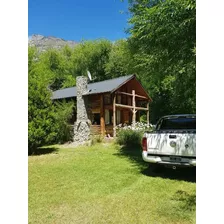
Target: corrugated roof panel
{"type": "Point", "coordinates": [64, 93]}
{"type": "Point", "coordinates": [107, 85]}
{"type": "Point", "coordinates": [93, 88]}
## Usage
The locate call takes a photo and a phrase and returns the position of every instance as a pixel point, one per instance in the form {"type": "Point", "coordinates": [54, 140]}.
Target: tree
{"type": "Point", "coordinates": [63, 116]}
{"type": "Point", "coordinates": [163, 43]}
{"type": "Point", "coordinates": [45, 119]}
{"type": "Point", "coordinates": [92, 56]}
{"type": "Point", "coordinates": [59, 63]}
{"type": "Point", "coordinates": [40, 108]}
{"type": "Point", "coordinates": [120, 61]}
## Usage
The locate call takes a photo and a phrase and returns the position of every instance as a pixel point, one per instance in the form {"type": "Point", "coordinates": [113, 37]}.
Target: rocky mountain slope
{"type": "Point", "coordinates": [44, 42]}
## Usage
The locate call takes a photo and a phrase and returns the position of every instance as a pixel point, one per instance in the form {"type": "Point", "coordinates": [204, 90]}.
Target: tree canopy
{"type": "Point", "coordinates": [163, 44]}
{"type": "Point", "coordinates": [45, 119]}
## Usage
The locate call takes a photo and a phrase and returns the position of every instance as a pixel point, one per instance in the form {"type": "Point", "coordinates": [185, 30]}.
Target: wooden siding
{"type": "Point", "coordinates": [124, 100]}
{"type": "Point", "coordinates": [126, 116]}
{"type": "Point", "coordinates": [109, 130]}
{"type": "Point", "coordinates": [94, 103]}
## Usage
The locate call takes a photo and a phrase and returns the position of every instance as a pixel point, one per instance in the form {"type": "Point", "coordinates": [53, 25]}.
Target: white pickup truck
{"type": "Point", "coordinates": [173, 143]}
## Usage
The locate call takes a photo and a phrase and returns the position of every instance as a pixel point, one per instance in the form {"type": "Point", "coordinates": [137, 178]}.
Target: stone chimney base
{"type": "Point", "coordinates": [81, 132]}
{"type": "Point", "coordinates": [82, 124]}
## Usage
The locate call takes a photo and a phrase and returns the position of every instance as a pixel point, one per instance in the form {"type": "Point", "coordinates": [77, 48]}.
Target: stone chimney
{"type": "Point", "coordinates": [82, 124]}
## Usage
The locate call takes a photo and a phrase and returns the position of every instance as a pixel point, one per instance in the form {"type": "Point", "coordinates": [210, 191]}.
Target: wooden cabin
{"type": "Point", "coordinates": [111, 102]}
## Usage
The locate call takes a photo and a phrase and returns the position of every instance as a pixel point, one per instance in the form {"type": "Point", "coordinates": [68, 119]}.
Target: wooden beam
{"type": "Point", "coordinates": [133, 112]}
{"type": "Point", "coordinates": [114, 116]}
{"type": "Point", "coordinates": [129, 94]}
{"type": "Point", "coordinates": [148, 114]}
{"type": "Point", "coordinates": [131, 107]}
{"type": "Point", "coordinates": [139, 96]}
{"type": "Point", "coordinates": [141, 108]}
{"type": "Point", "coordinates": [102, 120]}
{"type": "Point", "coordinates": [124, 106]}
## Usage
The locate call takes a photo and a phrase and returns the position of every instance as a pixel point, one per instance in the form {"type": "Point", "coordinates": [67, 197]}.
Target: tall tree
{"type": "Point", "coordinates": [59, 63]}
{"type": "Point", "coordinates": [47, 122]}
{"type": "Point", "coordinates": [120, 61]}
{"type": "Point", "coordinates": [92, 56]}
{"type": "Point", "coordinates": [40, 108]}
{"type": "Point", "coordinates": [163, 43]}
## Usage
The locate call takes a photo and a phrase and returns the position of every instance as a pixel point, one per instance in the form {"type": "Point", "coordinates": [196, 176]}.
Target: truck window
{"type": "Point", "coordinates": [178, 123]}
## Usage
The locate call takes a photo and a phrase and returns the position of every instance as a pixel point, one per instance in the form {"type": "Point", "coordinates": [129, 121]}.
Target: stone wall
{"type": "Point", "coordinates": [82, 124]}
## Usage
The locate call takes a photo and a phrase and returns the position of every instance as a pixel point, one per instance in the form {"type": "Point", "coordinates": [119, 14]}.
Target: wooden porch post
{"type": "Point", "coordinates": [102, 121]}
{"type": "Point", "coordinates": [133, 110]}
{"type": "Point", "coordinates": [148, 114]}
{"type": "Point", "coordinates": [114, 116]}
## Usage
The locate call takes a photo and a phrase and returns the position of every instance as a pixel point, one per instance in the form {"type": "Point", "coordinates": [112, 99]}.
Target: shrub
{"type": "Point", "coordinates": [96, 139]}
{"type": "Point", "coordinates": [139, 126]}
{"type": "Point", "coordinates": [143, 118]}
{"type": "Point", "coordinates": [131, 135]}
{"type": "Point", "coordinates": [129, 138]}
{"type": "Point", "coordinates": [63, 114]}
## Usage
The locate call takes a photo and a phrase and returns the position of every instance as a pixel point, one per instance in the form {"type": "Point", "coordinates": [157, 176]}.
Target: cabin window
{"type": "Point", "coordinates": [96, 119]}
{"type": "Point", "coordinates": [107, 117]}
{"type": "Point", "coordinates": [107, 99]}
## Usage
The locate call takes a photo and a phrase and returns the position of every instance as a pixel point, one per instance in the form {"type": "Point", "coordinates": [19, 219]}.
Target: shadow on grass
{"type": "Point", "coordinates": [43, 151]}
{"type": "Point", "coordinates": [185, 174]}
{"type": "Point", "coordinates": [134, 154]}
{"type": "Point", "coordinates": [188, 200]}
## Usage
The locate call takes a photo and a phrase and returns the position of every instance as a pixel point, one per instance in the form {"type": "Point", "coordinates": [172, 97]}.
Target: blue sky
{"type": "Point", "coordinates": [78, 19]}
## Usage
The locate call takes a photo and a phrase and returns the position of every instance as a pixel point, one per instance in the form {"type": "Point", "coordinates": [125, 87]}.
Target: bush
{"type": "Point", "coordinates": [63, 114]}
{"type": "Point", "coordinates": [96, 139]}
{"type": "Point", "coordinates": [143, 118]}
{"type": "Point", "coordinates": [129, 137]}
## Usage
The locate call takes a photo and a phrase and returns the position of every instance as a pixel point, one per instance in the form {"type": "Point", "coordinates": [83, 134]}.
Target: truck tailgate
{"type": "Point", "coordinates": [182, 144]}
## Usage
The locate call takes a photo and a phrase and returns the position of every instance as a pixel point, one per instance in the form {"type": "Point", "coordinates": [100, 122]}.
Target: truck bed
{"type": "Point", "coordinates": [163, 143]}
{"type": "Point", "coordinates": [173, 142]}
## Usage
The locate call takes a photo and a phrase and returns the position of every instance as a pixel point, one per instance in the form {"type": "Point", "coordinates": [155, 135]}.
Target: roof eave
{"type": "Point", "coordinates": [88, 93]}
{"type": "Point", "coordinates": [132, 77]}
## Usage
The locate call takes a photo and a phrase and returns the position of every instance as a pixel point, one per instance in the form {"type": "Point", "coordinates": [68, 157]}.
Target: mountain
{"type": "Point", "coordinates": [44, 42]}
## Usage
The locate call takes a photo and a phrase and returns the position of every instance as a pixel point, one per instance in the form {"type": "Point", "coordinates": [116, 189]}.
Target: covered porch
{"type": "Point", "coordinates": [123, 106]}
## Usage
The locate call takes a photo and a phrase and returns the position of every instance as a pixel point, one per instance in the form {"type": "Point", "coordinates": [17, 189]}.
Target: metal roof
{"type": "Point", "coordinates": [93, 88]}
{"type": "Point", "coordinates": [64, 93]}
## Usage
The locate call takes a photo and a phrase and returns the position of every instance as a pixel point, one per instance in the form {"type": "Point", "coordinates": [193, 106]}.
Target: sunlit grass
{"type": "Point", "coordinates": [99, 184]}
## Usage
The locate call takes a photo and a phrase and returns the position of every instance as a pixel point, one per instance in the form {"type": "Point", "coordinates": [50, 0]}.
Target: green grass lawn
{"type": "Point", "coordinates": [106, 184]}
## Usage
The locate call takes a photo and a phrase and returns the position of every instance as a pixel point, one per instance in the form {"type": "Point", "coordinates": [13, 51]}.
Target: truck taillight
{"type": "Point", "coordinates": [144, 144]}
